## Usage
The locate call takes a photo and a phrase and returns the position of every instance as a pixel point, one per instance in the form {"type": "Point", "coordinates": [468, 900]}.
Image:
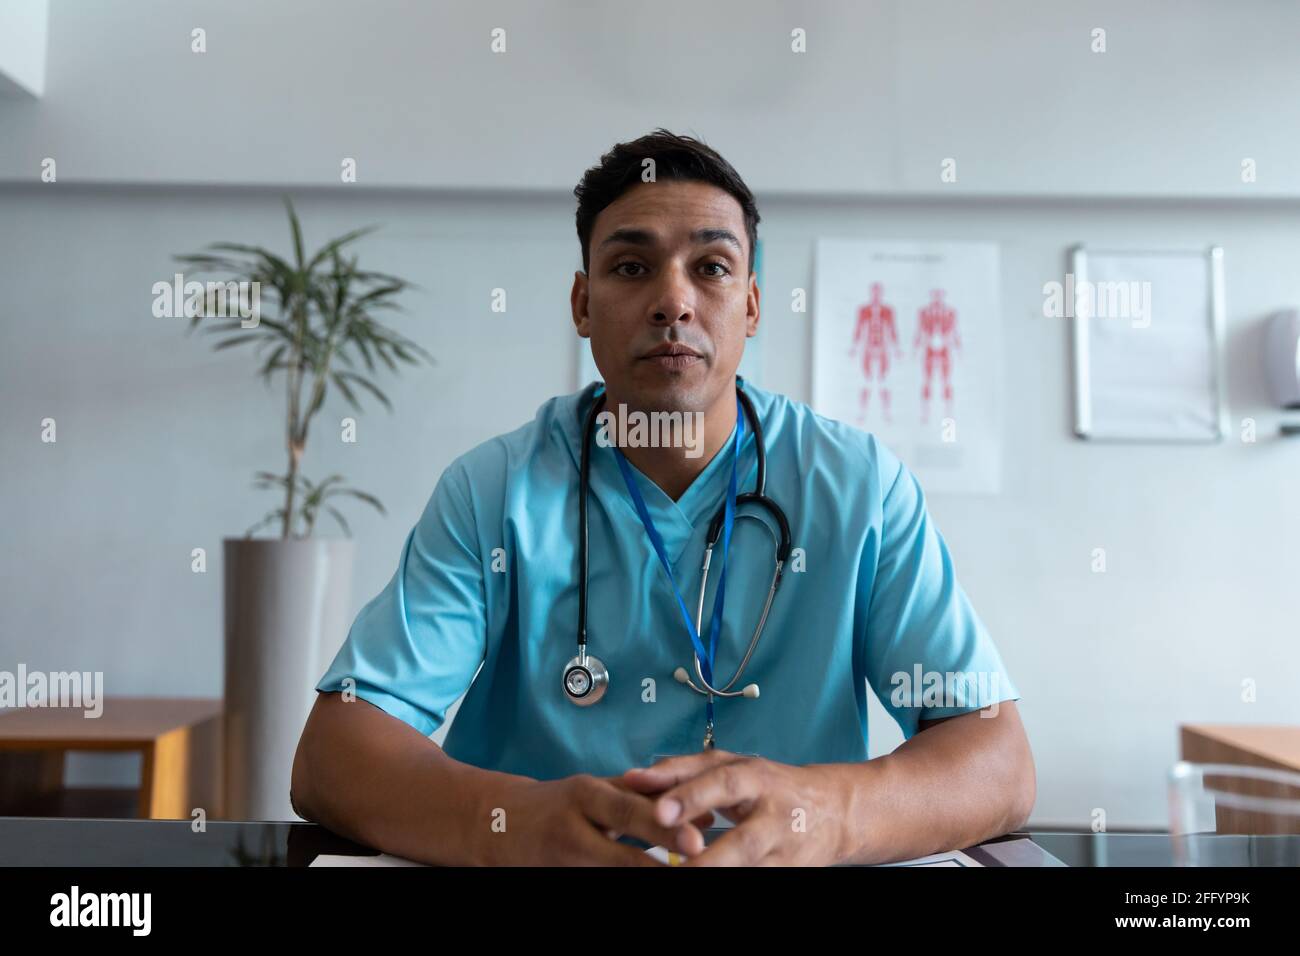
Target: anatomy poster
{"type": "Point", "coordinates": [907, 345]}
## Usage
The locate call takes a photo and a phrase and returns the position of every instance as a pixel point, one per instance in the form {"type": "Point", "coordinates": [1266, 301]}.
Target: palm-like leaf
{"type": "Point", "coordinates": [320, 330]}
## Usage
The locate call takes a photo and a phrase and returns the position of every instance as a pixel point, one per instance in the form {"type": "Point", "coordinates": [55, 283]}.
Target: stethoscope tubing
{"type": "Point", "coordinates": [757, 497]}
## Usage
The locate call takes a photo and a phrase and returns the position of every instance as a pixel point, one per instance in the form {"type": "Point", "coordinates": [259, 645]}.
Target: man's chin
{"type": "Point", "coordinates": [655, 389]}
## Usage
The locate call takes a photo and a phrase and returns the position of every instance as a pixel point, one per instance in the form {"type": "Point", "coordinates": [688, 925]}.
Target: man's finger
{"type": "Point", "coordinates": [703, 822]}
{"type": "Point", "coordinates": [722, 786]}
{"type": "Point", "coordinates": [624, 812]}
{"type": "Point", "coordinates": [596, 850]}
{"type": "Point", "coordinates": [673, 770]}
{"type": "Point", "coordinates": [749, 843]}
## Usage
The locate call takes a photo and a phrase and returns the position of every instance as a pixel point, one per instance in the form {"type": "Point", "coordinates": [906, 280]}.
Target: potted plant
{"type": "Point", "coordinates": [287, 598]}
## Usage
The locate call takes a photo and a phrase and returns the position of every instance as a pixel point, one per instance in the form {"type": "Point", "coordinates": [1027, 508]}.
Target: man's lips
{"type": "Point", "coordinates": [673, 357]}
{"type": "Point", "coordinates": [676, 362]}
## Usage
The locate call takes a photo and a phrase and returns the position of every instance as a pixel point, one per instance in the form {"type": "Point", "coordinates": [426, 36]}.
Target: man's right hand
{"type": "Point", "coordinates": [574, 822]}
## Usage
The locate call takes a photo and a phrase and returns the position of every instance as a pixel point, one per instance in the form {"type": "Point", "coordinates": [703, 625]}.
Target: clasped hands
{"type": "Point", "coordinates": [783, 815]}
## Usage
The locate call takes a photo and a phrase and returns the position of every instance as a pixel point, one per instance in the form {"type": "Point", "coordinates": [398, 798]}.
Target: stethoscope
{"type": "Point", "coordinates": [586, 677]}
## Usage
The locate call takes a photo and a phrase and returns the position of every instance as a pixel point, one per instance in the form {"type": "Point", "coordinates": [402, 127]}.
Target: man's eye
{"type": "Point", "coordinates": [718, 265]}
{"type": "Point", "coordinates": [621, 265]}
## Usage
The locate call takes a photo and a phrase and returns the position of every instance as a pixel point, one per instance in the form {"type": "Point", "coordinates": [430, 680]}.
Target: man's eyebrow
{"type": "Point", "coordinates": [643, 237]}
{"type": "Point", "coordinates": [706, 236]}
{"type": "Point", "coordinates": [635, 237]}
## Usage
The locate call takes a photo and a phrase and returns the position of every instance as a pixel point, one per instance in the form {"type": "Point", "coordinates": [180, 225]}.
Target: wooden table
{"type": "Point", "coordinates": [179, 740]}
{"type": "Point", "coordinates": [1273, 746]}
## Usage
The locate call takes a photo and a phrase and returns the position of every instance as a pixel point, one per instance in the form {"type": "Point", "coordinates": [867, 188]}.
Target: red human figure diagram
{"type": "Point", "coordinates": [877, 334]}
{"type": "Point", "coordinates": [937, 330]}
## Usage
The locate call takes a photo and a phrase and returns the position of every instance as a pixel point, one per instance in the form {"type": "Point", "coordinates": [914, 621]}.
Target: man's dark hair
{"type": "Point", "coordinates": [675, 158]}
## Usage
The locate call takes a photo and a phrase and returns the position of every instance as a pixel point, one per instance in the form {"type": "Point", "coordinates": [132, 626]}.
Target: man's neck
{"type": "Point", "coordinates": [670, 467]}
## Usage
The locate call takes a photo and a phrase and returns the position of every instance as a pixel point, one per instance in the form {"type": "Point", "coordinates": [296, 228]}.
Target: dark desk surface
{"type": "Point", "coordinates": [76, 843]}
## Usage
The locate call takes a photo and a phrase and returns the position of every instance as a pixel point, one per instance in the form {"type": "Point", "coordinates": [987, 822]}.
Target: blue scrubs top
{"type": "Point", "coordinates": [488, 576]}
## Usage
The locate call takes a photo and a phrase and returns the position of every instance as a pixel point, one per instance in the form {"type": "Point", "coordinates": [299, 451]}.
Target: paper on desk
{"type": "Point", "coordinates": [951, 858]}
{"type": "Point", "coordinates": [383, 859]}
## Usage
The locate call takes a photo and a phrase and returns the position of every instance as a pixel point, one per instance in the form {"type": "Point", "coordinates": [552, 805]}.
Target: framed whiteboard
{"type": "Point", "coordinates": [1148, 344]}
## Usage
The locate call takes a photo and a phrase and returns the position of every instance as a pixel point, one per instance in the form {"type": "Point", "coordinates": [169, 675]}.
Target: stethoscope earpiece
{"type": "Point", "coordinates": [749, 691]}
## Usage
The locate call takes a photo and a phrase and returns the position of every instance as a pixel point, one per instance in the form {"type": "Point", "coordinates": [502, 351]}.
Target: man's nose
{"type": "Point", "coordinates": [673, 302]}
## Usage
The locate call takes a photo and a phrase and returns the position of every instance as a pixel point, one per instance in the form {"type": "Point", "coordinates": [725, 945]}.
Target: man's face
{"type": "Point", "coordinates": [668, 300]}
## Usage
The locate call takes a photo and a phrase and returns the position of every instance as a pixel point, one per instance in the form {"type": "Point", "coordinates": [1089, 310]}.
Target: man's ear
{"type": "Point", "coordinates": [751, 312]}
{"type": "Point", "coordinates": [578, 304]}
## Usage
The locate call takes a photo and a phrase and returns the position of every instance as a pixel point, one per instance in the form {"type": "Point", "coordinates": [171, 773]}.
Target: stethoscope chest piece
{"type": "Point", "coordinates": [585, 679]}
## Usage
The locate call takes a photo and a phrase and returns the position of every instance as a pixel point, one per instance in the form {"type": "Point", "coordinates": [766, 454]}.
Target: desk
{"type": "Point", "coordinates": [1271, 747]}
{"type": "Point", "coordinates": [179, 740]}
{"type": "Point", "coordinates": [78, 843]}
{"type": "Point", "coordinates": [1254, 745]}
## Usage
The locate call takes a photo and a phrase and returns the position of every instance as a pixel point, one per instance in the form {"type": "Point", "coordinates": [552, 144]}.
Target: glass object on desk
{"type": "Point", "coordinates": [1215, 799]}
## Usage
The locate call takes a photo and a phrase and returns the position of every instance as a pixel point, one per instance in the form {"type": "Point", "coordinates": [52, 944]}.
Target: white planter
{"type": "Point", "coordinates": [288, 607]}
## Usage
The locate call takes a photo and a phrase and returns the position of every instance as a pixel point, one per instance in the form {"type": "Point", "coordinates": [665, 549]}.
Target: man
{"type": "Point", "coordinates": [485, 602]}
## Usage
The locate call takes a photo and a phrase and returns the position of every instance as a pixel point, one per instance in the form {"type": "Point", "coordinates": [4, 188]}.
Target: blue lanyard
{"type": "Point", "coordinates": [715, 622]}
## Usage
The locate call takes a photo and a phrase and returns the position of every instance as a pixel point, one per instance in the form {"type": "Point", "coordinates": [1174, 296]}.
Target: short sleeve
{"type": "Point", "coordinates": [415, 647]}
{"type": "Point", "coordinates": [928, 654]}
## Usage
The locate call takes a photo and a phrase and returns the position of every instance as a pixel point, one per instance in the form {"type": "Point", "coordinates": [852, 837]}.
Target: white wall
{"type": "Point", "coordinates": [885, 92]}
{"type": "Point", "coordinates": [158, 438]}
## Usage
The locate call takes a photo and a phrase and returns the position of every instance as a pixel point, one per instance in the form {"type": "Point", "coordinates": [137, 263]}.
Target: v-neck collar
{"type": "Point", "coordinates": [676, 521]}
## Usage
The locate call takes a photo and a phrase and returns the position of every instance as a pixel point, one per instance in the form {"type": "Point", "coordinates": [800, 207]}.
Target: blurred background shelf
{"type": "Point", "coordinates": [179, 741]}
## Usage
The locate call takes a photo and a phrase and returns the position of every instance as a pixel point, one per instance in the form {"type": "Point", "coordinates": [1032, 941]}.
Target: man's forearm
{"type": "Point", "coordinates": [367, 776]}
{"type": "Point", "coordinates": [951, 785]}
